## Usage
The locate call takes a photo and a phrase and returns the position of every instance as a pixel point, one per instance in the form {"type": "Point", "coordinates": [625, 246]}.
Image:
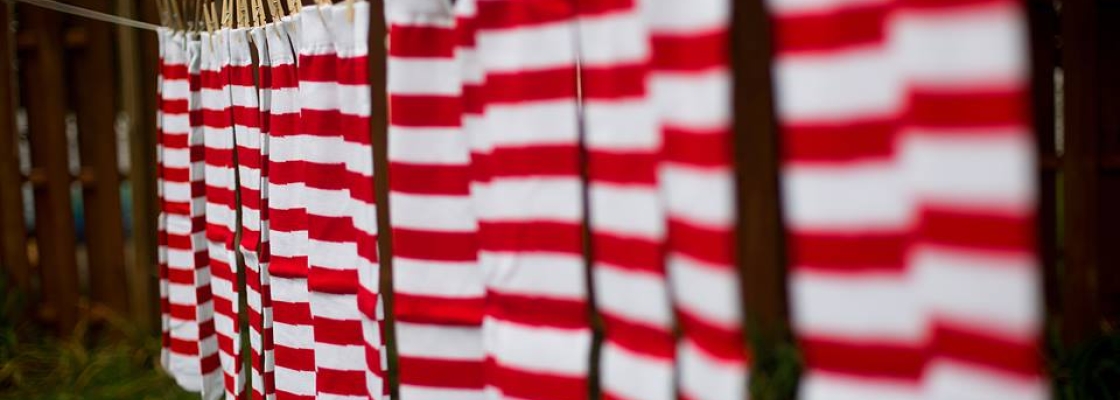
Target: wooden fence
{"type": "Point", "coordinates": [96, 72]}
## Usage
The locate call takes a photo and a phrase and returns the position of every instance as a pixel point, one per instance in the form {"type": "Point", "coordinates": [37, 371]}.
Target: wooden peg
{"type": "Point", "coordinates": [293, 7]}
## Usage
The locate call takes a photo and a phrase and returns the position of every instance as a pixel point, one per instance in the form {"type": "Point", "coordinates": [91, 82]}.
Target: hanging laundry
{"type": "Point", "coordinates": [438, 291]}
{"type": "Point", "coordinates": [287, 228]}
{"type": "Point", "coordinates": [192, 349]}
{"type": "Point", "coordinates": [221, 201]}
{"type": "Point", "coordinates": [536, 330]}
{"type": "Point", "coordinates": [253, 181]}
{"type": "Point", "coordinates": [626, 212]}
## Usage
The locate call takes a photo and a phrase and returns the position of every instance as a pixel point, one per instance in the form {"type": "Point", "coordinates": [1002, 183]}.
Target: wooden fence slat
{"type": "Point", "coordinates": [46, 111]}
{"type": "Point", "coordinates": [93, 90]}
{"type": "Point", "coordinates": [13, 239]}
{"type": "Point", "coordinates": [1043, 24]}
{"type": "Point", "coordinates": [379, 122]}
{"type": "Point", "coordinates": [1081, 116]}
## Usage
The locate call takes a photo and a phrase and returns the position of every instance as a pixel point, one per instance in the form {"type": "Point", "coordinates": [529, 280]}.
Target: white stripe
{"type": "Point", "coordinates": [457, 343]}
{"type": "Point", "coordinates": [432, 212]}
{"type": "Point", "coordinates": [701, 101]}
{"type": "Point", "coordinates": [947, 380]}
{"type": "Point", "coordinates": [519, 49]}
{"type": "Point", "coordinates": [355, 99]}
{"type": "Point", "coordinates": [978, 45]}
{"type": "Point", "coordinates": [446, 279]}
{"type": "Point", "coordinates": [705, 377]}
{"type": "Point", "coordinates": [994, 170]}
{"type": "Point", "coordinates": [635, 376]}
{"type": "Point", "coordinates": [613, 38]}
{"type": "Point", "coordinates": [836, 306]}
{"type": "Point", "coordinates": [817, 385]}
{"type": "Point", "coordinates": [516, 125]}
{"type": "Point", "coordinates": [339, 256]}
{"type": "Point", "coordinates": [521, 199]}
{"type": "Point", "coordinates": [841, 85]}
{"type": "Point", "coordinates": [699, 195]}
{"type": "Point", "coordinates": [411, 392]}
{"type": "Point", "coordinates": [632, 211]}
{"type": "Point", "coordinates": [634, 296]}
{"type": "Point", "coordinates": [309, 148]}
{"type": "Point", "coordinates": [424, 76]}
{"type": "Point", "coordinates": [295, 381]}
{"type": "Point", "coordinates": [434, 146]}
{"type": "Point", "coordinates": [998, 293]}
{"type": "Point", "coordinates": [626, 125]}
{"type": "Point", "coordinates": [340, 357]}
{"type": "Point", "coordinates": [867, 195]}
{"type": "Point", "coordinates": [718, 301]}
{"type": "Point", "coordinates": [342, 307]}
{"type": "Point", "coordinates": [674, 16]}
{"type": "Point", "coordinates": [538, 349]}
{"type": "Point", "coordinates": [545, 275]}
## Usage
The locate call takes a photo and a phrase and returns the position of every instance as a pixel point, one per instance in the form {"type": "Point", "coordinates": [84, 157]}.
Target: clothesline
{"type": "Point", "coordinates": [87, 13]}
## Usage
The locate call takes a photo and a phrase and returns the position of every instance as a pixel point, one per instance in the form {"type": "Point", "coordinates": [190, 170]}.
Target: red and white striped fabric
{"type": "Point", "coordinates": [536, 329]}
{"type": "Point", "coordinates": [968, 152]}
{"type": "Point", "coordinates": [221, 206]}
{"type": "Point", "coordinates": [691, 87]}
{"type": "Point", "coordinates": [192, 348]}
{"type": "Point", "coordinates": [438, 291]}
{"type": "Point", "coordinates": [254, 233]}
{"type": "Point", "coordinates": [328, 157]}
{"type": "Point", "coordinates": [287, 226]}
{"type": "Point", "coordinates": [908, 177]}
{"type": "Point", "coordinates": [351, 37]}
{"type": "Point", "coordinates": [627, 217]}
{"type": "Point", "coordinates": [161, 218]}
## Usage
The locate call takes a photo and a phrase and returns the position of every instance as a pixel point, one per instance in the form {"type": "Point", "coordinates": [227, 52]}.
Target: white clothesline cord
{"type": "Point", "coordinates": [83, 12]}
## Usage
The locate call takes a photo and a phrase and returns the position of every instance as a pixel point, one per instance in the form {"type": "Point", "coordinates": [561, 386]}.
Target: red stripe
{"type": "Point", "coordinates": [451, 374]}
{"type": "Point", "coordinates": [174, 106]}
{"type": "Point", "coordinates": [288, 267]}
{"type": "Point", "coordinates": [977, 229]}
{"type": "Point", "coordinates": [332, 281]}
{"type": "Point", "coordinates": [329, 381]}
{"type": "Point", "coordinates": [292, 313]}
{"type": "Point", "coordinates": [173, 72]}
{"type": "Point", "coordinates": [514, 14]}
{"type": "Point", "coordinates": [320, 122]}
{"type": "Point", "coordinates": [438, 310]}
{"type": "Point", "coordinates": [340, 332]}
{"type": "Point", "coordinates": [989, 350]}
{"type": "Point", "coordinates": [318, 68]}
{"type": "Point", "coordinates": [518, 383]}
{"type": "Point", "coordinates": [537, 85]}
{"type": "Point", "coordinates": [848, 252]}
{"type": "Point", "coordinates": [542, 160]}
{"type": "Point", "coordinates": [421, 41]}
{"type": "Point", "coordinates": [537, 311]}
{"type": "Point", "coordinates": [623, 167]}
{"type": "Point", "coordinates": [465, 30]}
{"type": "Point", "coordinates": [325, 176]}
{"type": "Point", "coordinates": [424, 110]}
{"type": "Point", "coordinates": [697, 148]}
{"type": "Point", "coordinates": [970, 108]}
{"type": "Point", "coordinates": [855, 141]}
{"type": "Point", "coordinates": [880, 359]}
{"type": "Point", "coordinates": [217, 119]}
{"type": "Point", "coordinates": [639, 338]}
{"type": "Point", "coordinates": [240, 75]}
{"type": "Point", "coordinates": [600, 7]}
{"type": "Point", "coordinates": [717, 342]}
{"type": "Point", "coordinates": [690, 52]}
{"type": "Point", "coordinates": [537, 236]}
{"type": "Point", "coordinates": [614, 81]}
{"type": "Point", "coordinates": [629, 253]}
{"type": "Point", "coordinates": [429, 179]}
{"type": "Point", "coordinates": [434, 245]}
{"type": "Point", "coordinates": [353, 71]}
{"type": "Point", "coordinates": [709, 245]}
{"type": "Point", "coordinates": [246, 117]}
{"type": "Point", "coordinates": [945, 5]}
{"type": "Point", "coordinates": [284, 77]}
{"type": "Point", "coordinates": [859, 25]}
{"type": "Point", "coordinates": [293, 358]}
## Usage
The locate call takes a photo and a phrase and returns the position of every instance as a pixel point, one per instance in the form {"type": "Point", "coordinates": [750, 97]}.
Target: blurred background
{"type": "Point", "coordinates": [79, 316]}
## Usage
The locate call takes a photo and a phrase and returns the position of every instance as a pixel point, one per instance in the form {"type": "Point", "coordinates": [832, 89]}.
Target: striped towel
{"type": "Point", "coordinates": [908, 175]}
{"type": "Point", "coordinates": [254, 237]}
{"type": "Point", "coordinates": [221, 206]}
{"type": "Point", "coordinates": [536, 330]}
{"type": "Point", "coordinates": [287, 229]}
{"type": "Point", "coordinates": [627, 216]}
{"type": "Point", "coordinates": [191, 346]}
{"type": "Point", "coordinates": [438, 291]}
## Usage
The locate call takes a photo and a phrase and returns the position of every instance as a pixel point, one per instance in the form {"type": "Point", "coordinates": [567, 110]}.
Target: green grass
{"type": "Point", "coordinates": [115, 361]}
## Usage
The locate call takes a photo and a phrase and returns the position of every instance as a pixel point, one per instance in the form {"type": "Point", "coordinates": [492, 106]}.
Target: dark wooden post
{"type": "Point", "coordinates": [379, 122]}
{"type": "Point", "coordinates": [46, 112]}
{"type": "Point", "coordinates": [13, 239]}
{"type": "Point", "coordinates": [1043, 39]}
{"type": "Point", "coordinates": [1081, 115]}
{"type": "Point", "coordinates": [93, 90]}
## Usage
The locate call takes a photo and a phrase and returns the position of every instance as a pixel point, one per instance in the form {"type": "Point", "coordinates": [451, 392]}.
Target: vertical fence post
{"type": "Point", "coordinates": [46, 113]}
{"type": "Point", "coordinates": [379, 120]}
{"type": "Point", "coordinates": [13, 240]}
{"type": "Point", "coordinates": [1080, 161]}
{"type": "Point", "coordinates": [93, 91]}
{"type": "Point", "coordinates": [1043, 24]}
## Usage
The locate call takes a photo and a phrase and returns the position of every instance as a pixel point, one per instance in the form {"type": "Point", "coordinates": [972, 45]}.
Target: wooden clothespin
{"type": "Point", "coordinates": [242, 13]}
{"type": "Point", "coordinates": [227, 14]}
{"type": "Point", "coordinates": [350, 11]}
{"type": "Point", "coordinates": [164, 19]}
{"type": "Point", "coordinates": [275, 9]}
{"type": "Point", "coordinates": [176, 14]}
{"type": "Point", "coordinates": [293, 7]}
